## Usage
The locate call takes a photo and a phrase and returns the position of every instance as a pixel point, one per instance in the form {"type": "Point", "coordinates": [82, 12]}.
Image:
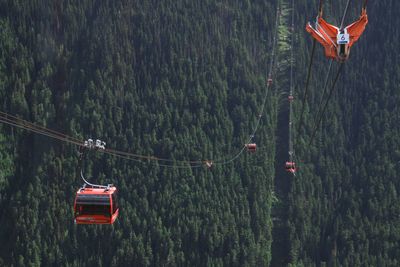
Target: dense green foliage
{"type": "Point", "coordinates": [176, 79]}
{"type": "Point", "coordinates": [185, 80]}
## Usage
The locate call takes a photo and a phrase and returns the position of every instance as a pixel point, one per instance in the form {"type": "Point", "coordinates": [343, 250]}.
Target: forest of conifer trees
{"type": "Point", "coordinates": [185, 80]}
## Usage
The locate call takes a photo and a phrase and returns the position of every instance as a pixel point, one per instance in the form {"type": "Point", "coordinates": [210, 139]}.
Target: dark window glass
{"type": "Point", "coordinates": [93, 199]}
{"type": "Point", "coordinates": [88, 209]}
{"type": "Point", "coordinates": [115, 201]}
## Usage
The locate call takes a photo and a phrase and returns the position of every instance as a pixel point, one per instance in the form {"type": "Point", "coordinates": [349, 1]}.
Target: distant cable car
{"type": "Point", "coordinates": [290, 166]}
{"type": "Point", "coordinates": [208, 163]}
{"type": "Point", "coordinates": [269, 81]}
{"type": "Point", "coordinates": [251, 147]}
{"type": "Point", "coordinates": [96, 205]}
{"type": "Point", "coordinates": [290, 98]}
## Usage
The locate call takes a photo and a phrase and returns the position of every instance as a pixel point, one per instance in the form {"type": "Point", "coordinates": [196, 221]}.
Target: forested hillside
{"type": "Point", "coordinates": [185, 80]}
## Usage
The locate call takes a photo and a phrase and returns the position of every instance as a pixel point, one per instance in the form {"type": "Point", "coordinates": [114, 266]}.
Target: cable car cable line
{"type": "Point", "coordinates": [127, 157]}
{"type": "Point", "coordinates": [26, 125]}
{"type": "Point", "coordinates": [39, 127]}
{"type": "Point", "coordinates": [344, 15]}
{"type": "Point", "coordinates": [39, 130]}
{"type": "Point", "coordinates": [326, 83]}
{"type": "Point", "coordinates": [219, 161]}
{"type": "Point", "coordinates": [318, 122]}
{"type": "Point", "coordinates": [23, 124]}
{"type": "Point", "coordinates": [270, 72]}
{"type": "Point", "coordinates": [306, 87]}
{"type": "Point", "coordinates": [308, 75]}
{"type": "Point", "coordinates": [290, 165]}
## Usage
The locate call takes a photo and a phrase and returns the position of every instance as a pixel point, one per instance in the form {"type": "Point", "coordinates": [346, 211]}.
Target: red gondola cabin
{"type": "Point", "coordinates": [290, 167]}
{"type": "Point", "coordinates": [96, 205]}
{"type": "Point", "coordinates": [251, 147]}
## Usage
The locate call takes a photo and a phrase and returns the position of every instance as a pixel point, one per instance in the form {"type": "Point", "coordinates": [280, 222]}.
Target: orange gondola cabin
{"type": "Point", "coordinates": [96, 205]}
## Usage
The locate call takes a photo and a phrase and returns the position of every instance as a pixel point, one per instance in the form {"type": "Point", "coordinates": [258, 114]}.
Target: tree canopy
{"type": "Point", "coordinates": [186, 80]}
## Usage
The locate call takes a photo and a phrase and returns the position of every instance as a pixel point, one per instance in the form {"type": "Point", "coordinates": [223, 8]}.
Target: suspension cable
{"type": "Point", "coordinates": [306, 87]}
{"type": "Point", "coordinates": [31, 127]}
{"type": "Point", "coordinates": [365, 4]}
{"type": "Point", "coordinates": [26, 125]}
{"type": "Point", "coordinates": [22, 124]}
{"type": "Point", "coordinates": [344, 15]}
{"type": "Point", "coordinates": [326, 103]}
{"type": "Point", "coordinates": [291, 137]}
{"type": "Point", "coordinates": [219, 161]}
{"type": "Point", "coordinates": [223, 161]}
{"type": "Point", "coordinates": [324, 90]}
{"type": "Point", "coordinates": [39, 127]}
{"type": "Point", "coordinates": [309, 73]}
{"type": "Point", "coordinates": [320, 8]}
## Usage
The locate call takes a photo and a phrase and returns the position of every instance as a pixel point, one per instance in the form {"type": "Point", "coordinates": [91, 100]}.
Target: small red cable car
{"type": "Point", "coordinates": [290, 167]}
{"type": "Point", "coordinates": [251, 147]}
{"type": "Point", "coordinates": [269, 81]}
{"type": "Point", "coordinates": [96, 205]}
{"type": "Point", "coordinates": [290, 98]}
